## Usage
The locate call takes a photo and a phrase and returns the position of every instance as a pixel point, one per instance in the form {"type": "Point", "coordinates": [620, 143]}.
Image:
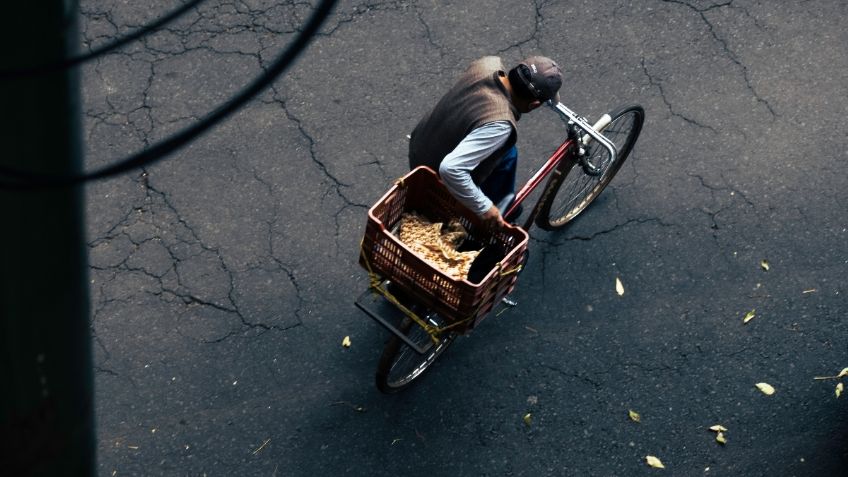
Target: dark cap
{"type": "Point", "coordinates": [545, 77]}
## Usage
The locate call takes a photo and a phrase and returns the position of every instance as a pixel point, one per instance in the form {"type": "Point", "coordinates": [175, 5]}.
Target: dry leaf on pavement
{"type": "Point", "coordinates": [841, 374]}
{"type": "Point", "coordinates": [718, 428]}
{"type": "Point", "coordinates": [749, 316]}
{"type": "Point", "coordinates": [838, 389]}
{"type": "Point", "coordinates": [634, 416]}
{"type": "Point", "coordinates": [346, 342]}
{"type": "Point", "coordinates": [720, 438]}
{"type": "Point", "coordinates": [765, 265]}
{"type": "Point", "coordinates": [654, 462]}
{"type": "Point", "coordinates": [619, 287]}
{"type": "Point", "coordinates": [766, 388]}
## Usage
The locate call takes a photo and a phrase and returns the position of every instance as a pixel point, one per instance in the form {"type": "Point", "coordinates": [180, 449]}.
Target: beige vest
{"type": "Point", "coordinates": [477, 98]}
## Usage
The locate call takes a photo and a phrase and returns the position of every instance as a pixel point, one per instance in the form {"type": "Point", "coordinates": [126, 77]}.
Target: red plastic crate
{"type": "Point", "coordinates": [455, 300]}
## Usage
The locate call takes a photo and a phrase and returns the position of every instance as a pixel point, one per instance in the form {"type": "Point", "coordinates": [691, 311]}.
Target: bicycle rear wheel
{"type": "Point", "coordinates": [572, 190]}
{"type": "Point", "coordinates": [401, 365]}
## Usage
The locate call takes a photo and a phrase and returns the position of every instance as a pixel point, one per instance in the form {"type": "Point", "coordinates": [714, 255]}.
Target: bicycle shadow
{"type": "Point", "coordinates": [369, 433]}
{"type": "Point", "coordinates": [428, 428]}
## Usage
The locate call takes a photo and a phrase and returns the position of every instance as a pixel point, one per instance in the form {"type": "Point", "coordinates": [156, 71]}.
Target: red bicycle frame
{"type": "Point", "coordinates": [565, 149]}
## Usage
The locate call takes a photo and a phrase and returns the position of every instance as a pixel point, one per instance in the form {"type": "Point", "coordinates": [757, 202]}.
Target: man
{"type": "Point", "coordinates": [469, 137]}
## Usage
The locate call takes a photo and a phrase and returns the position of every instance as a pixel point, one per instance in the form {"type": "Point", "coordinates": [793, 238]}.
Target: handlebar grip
{"type": "Point", "coordinates": [599, 126]}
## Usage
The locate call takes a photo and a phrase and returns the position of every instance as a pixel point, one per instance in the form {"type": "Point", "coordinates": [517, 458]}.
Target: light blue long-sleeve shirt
{"type": "Point", "coordinates": [455, 169]}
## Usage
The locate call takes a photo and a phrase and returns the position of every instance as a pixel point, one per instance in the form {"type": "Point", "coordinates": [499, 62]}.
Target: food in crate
{"type": "Point", "coordinates": [437, 243]}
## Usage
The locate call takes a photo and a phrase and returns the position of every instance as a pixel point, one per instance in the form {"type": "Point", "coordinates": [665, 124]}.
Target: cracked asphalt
{"type": "Point", "coordinates": [223, 279]}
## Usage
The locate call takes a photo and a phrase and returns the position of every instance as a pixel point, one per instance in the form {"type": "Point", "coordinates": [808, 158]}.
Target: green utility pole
{"type": "Point", "coordinates": [46, 382]}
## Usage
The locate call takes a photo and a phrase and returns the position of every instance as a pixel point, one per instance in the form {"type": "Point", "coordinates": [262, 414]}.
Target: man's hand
{"type": "Point", "coordinates": [492, 218]}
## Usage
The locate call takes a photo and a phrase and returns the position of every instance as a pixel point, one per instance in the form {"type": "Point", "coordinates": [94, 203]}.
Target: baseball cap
{"type": "Point", "coordinates": [542, 76]}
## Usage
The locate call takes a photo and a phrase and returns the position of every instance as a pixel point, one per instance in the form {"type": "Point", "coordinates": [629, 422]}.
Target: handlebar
{"type": "Point", "coordinates": [592, 132]}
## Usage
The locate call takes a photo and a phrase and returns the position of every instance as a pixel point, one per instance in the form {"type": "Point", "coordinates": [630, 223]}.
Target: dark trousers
{"type": "Point", "coordinates": [501, 181]}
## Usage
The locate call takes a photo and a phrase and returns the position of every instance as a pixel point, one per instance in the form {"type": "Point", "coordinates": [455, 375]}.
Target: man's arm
{"type": "Point", "coordinates": [455, 170]}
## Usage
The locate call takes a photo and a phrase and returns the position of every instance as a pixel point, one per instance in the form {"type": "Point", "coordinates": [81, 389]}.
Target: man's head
{"type": "Point", "coordinates": [535, 80]}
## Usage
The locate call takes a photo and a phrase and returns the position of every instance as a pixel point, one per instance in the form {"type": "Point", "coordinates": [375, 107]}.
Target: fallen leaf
{"type": "Point", "coordinates": [528, 418]}
{"type": "Point", "coordinates": [765, 388]}
{"type": "Point", "coordinates": [718, 428]}
{"type": "Point", "coordinates": [346, 342]}
{"type": "Point", "coordinates": [619, 287]}
{"type": "Point", "coordinates": [811, 290]}
{"type": "Point", "coordinates": [749, 316]}
{"type": "Point", "coordinates": [654, 462]}
{"type": "Point", "coordinates": [841, 374]}
{"type": "Point", "coordinates": [838, 389]}
{"type": "Point", "coordinates": [720, 438]}
{"type": "Point", "coordinates": [262, 446]}
{"type": "Point", "coordinates": [765, 265]}
{"type": "Point", "coordinates": [634, 416]}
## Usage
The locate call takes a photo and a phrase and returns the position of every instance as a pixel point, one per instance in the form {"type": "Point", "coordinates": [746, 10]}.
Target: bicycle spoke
{"type": "Point", "coordinates": [408, 360]}
{"type": "Point", "coordinates": [401, 365]}
{"type": "Point", "coordinates": [576, 189]}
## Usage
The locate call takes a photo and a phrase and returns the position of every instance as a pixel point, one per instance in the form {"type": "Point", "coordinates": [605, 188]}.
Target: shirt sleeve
{"type": "Point", "coordinates": [455, 169]}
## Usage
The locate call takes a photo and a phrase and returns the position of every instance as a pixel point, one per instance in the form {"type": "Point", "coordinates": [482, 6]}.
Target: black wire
{"type": "Point", "coordinates": [166, 146]}
{"type": "Point", "coordinates": [77, 60]}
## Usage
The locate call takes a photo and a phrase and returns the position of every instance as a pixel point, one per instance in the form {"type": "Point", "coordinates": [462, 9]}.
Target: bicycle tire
{"type": "Point", "coordinates": [400, 366]}
{"type": "Point", "coordinates": [564, 204]}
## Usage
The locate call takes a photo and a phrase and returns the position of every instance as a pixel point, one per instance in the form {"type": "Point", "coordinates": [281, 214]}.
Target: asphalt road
{"type": "Point", "coordinates": [223, 279]}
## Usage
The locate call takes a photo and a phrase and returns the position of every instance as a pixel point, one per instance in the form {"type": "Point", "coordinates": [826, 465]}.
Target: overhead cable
{"type": "Point", "coordinates": [22, 180]}
{"type": "Point", "coordinates": [39, 70]}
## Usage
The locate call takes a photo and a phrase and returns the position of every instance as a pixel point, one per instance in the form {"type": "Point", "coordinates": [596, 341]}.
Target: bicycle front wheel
{"type": "Point", "coordinates": [572, 190]}
{"type": "Point", "coordinates": [401, 365]}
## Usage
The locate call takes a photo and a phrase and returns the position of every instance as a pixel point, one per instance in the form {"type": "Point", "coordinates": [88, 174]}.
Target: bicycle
{"type": "Point", "coordinates": [423, 309]}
